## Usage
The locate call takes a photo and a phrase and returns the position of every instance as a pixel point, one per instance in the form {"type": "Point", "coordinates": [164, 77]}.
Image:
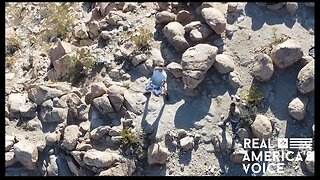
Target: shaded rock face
{"type": "Point", "coordinates": [286, 54]}
{"type": "Point", "coordinates": [175, 69]}
{"type": "Point", "coordinates": [261, 127]}
{"type": "Point", "coordinates": [306, 78]}
{"type": "Point", "coordinates": [27, 153]}
{"type": "Point", "coordinates": [215, 19]}
{"type": "Point", "coordinates": [196, 61]}
{"type": "Point", "coordinates": [262, 68]}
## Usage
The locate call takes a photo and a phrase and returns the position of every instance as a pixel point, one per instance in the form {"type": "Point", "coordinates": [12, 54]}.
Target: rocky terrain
{"type": "Point", "coordinates": [76, 72]}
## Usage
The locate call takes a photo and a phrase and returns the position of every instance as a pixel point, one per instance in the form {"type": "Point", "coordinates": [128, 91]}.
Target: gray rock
{"type": "Point", "coordinates": [194, 71]}
{"type": "Point", "coordinates": [199, 124]}
{"type": "Point", "coordinates": [232, 7]}
{"type": "Point", "coordinates": [163, 5]}
{"type": "Point", "coordinates": [103, 104]}
{"type": "Point", "coordinates": [34, 124]}
{"type": "Point", "coordinates": [139, 58]}
{"type": "Point", "coordinates": [70, 137]}
{"type": "Point", "coordinates": [262, 68]}
{"type": "Point", "coordinates": [215, 19]}
{"type": "Point", "coordinates": [105, 8]}
{"type": "Point", "coordinates": [206, 139]}
{"type": "Point", "coordinates": [39, 94]}
{"type": "Point", "coordinates": [52, 168]}
{"type": "Point", "coordinates": [125, 168]}
{"type": "Point", "coordinates": [310, 161]}
{"type": "Point", "coordinates": [52, 138]}
{"type": "Point", "coordinates": [53, 114]}
{"type": "Point", "coordinates": [80, 31]}
{"type": "Point", "coordinates": [306, 78]}
{"type": "Point", "coordinates": [83, 147]}
{"type": "Point", "coordinates": [224, 63]}
{"type": "Point", "coordinates": [192, 25]}
{"type": "Point", "coordinates": [234, 79]}
{"type": "Point", "coordinates": [175, 69]}
{"type": "Point", "coordinates": [115, 74]}
{"type": "Point", "coordinates": [132, 104]}
{"type": "Point", "coordinates": [286, 54]}
{"type": "Point", "coordinates": [238, 155]}
{"type": "Point", "coordinates": [184, 17]}
{"type": "Point", "coordinates": [27, 153]}
{"type": "Point", "coordinates": [116, 97]}
{"type": "Point", "coordinates": [201, 33]}
{"type": "Point", "coordinates": [15, 101]}
{"type": "Point", "coordinates": [243, 133]}
{"type": "Point", "coordinates": [78, 157]}
{"type": "Point", "coordinates": [98, 89]}
{"type": "Point", "coordinates": [164, 17]}
{"type": "Point", "coordinates": [10, 159]}
{"type": "Point", "coordinates": [59, 50]}
{"type": "Point", "coordinates": [157, 154]}
{"type": "Point", "coordinates": [129, 7]}
{"type": "Point", "coordinates": [100, 131]}
{"type": "Point", "coordinates": [292, 7]}
{"type": "Point", "coordinates": [276, 6]}
{"type": "Point", "coordinates": [174, 33]}
{"type": "Point", "coordinates": [261, 127]}
{"type": "Point", "coordinates": [28, 110]}
{"type": "Point", "coordinates": [100, 159]}
{"type": "Point", "coordinates": [187, 143]}
{"type": "Point", "coordinates": [9, 142]}
{"type": "Point", "coordinates": [114, 17]}
{"type": "Point", "coordinates": [297, 108]}
{"type": "Point", "coordinates": [115, 131]}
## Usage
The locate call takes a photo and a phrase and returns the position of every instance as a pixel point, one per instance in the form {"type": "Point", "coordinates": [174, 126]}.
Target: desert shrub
{"type": "Point", "coordinates": [58, 19]}
{"type": "Point", "coordinates": [128, 137]}
{"type": "Point", "coordinates": [79, 64]}
{"type": "Point", "coordinates": [255, 96]}
{"type": "Point", "coordinates": [275, 40]}
{"type": "Point", "coordinates": [142, 39]}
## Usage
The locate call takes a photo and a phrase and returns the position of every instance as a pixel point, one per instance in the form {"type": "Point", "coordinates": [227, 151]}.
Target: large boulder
{"type": "Point", "coordinates": [201, 33]}
{"type": "Point", "coordinates": [99, 132]}
{"type": "Point", "coordinates": [48, 114]}
{"type": "Point", "coordinates": [297, 109]}
{"type": "Point", "coordinates": [103, 104]}
{"type": "Point", "coordinates": [39, 94]}
{"type": "Point", "coordinates": [224, 63]}
{"type": "Point", "coordinates": [174, 33]}
{"type": "Point", "coordinates": [131, 104]}
{"type": "Point", "coordinates": [125, 168]}
{"type": "Point", "coordinates": [98, 89]}
{"type": "Point", "coordinates": [306, 78]}
{"type": "Point", "coordinates": [157, 154]}
{"type": "Point", "coordinates": [28, 110]}
{"type": "Point", "coordinates": [27, 153]}
{"type": "Point", "coordinates": [234, 79]}
{"type": "Point", "coordinates": [59, 50]}
{"type": "Point", "coordinates": [194, 69]}
{"type": "Point", "coordinates": [116, 97]}
{"type": "Point", "coordinates": [215, 19]}
{"type": "Point", "coordinates": [100, 159]}
{"type": "Point", "coordinates": [261, 127]}
{"type": "Point", "coordinates": [175, 69]}
{"type": "Point", "coordinates": [184, 17]}
{"type": "Point", "coordinates": [70, 137]}
{"type": "Point", "coordinates": [164, 17]}
{"type": "Point", "coordinates": [15, 102]}
{"type": "Point", "coordinates": [136, 60]}
{"type": "Point", "coordinates": [287, 53]}
{"type": "Point", "coordinates": [262, 68]}
{"type": "Point", "coordinates": [52, 168]}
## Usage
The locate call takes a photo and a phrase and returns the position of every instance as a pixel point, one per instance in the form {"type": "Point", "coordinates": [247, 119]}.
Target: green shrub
{"type": "Point", "coordinates": [142, 39]}
{"type": "Point", "coordinates": [127, 137]}
{"type": "Point", "coordinates": [58, 19]}
{"type": "Point", "coordinates": [254, 97]}
{"type": "Point", "coordinates": [79, 64]}
{"type": "Point", "coordinates": [10, 61]}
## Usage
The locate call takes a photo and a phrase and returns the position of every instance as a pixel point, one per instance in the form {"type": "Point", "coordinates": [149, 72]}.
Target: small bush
{"type": "Point", "coordinates": [254, 97]}
{"type": "Point", "coordinates": [58, 19]}
{"type": "Point", "coordinates": [79, 64]}
{"type": "Point", "coordinates": [128, 137]}
{"type": "Point", "coordinates": [10, 61]}
{"type": "Point", "coordinates": [142, 39]}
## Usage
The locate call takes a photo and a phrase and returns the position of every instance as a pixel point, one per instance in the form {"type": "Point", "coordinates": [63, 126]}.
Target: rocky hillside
{"type": "Point", "coordinates": [76, 72]}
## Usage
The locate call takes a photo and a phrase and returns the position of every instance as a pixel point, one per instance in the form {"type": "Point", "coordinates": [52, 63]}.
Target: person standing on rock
{"type": "Point", "coordinates": [158, 82]}
{"type": "Point", "coordinates": [233, 117]}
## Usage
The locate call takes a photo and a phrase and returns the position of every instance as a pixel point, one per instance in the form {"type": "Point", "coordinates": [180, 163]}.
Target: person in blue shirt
{"type": "Point", "coordinates": [158, 82]}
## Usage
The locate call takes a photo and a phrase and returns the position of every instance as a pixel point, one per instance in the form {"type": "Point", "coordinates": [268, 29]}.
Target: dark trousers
{"type": "Point", "coordinates": [234, 126]}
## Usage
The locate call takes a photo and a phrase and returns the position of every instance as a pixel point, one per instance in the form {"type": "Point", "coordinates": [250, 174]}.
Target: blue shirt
{"type": "Point", "coordinates": [158, 77]}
